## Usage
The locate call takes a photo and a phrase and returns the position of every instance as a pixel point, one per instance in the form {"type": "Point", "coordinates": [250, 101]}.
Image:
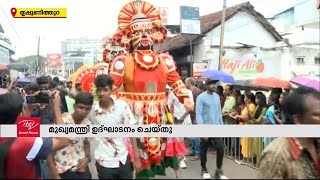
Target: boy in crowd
{"type": "Point", "coordinates": [72, 161]}
{"type": "Point", "coordinates": [111, 154]}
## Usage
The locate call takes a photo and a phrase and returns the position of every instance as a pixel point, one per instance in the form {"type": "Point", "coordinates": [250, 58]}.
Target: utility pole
{"type": "Point", "coordinates": [38, 58]}
{"type": "Point", "coordinates": [191, 58]}
{"type": "Point", "coordinates": [222, 33]}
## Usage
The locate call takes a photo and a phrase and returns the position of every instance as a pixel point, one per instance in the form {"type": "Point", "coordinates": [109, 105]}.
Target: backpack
{"type": "Point", "coordinates": [4, 151]}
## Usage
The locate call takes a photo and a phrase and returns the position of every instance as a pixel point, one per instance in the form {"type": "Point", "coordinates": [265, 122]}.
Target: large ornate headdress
{"type": "Point", "coordinates": [139, 12]}
{"type": "Point", "coordinates": [111, 48]}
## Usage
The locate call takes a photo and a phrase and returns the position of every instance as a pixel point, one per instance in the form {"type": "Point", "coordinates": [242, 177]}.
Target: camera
{"type": "Point", "coordinates": [42, 98]}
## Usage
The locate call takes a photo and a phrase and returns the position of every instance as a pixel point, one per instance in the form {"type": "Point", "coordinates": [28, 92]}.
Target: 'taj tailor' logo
{"type": "Point", "coordinates": [28, 127]}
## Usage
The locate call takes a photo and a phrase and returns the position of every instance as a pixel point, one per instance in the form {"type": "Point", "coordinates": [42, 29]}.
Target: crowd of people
{"type": "Point", "coordinates": [118, 158]}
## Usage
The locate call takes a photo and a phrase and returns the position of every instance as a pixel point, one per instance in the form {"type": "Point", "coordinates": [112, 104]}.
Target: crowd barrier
{"type": "Point", "coordinates": [247, 155]}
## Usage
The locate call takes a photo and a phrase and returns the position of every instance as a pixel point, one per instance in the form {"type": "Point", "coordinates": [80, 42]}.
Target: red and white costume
{"type": "Point", "coordinates": [144, 75]}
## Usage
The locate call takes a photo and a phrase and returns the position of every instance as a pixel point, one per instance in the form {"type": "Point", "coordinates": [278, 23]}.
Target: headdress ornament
{"type": "Point", "coordinates": [139, 12]}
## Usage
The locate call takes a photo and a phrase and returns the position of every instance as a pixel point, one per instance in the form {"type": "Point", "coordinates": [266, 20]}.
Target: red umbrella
{"type": "Point", "coordinates": [2, 67]}
{"type": "Point", "coordinates": [271, 82]}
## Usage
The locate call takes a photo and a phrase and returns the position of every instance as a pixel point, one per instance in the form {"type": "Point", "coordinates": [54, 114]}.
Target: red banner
{"type": "Point", "coordinates": [54, 60]}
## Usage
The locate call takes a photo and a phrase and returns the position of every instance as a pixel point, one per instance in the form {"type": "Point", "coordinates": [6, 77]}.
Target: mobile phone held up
{"type": "Point", "coordinates": [42, 98]}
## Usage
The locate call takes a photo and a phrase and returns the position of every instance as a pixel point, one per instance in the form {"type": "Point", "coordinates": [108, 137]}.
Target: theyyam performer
{"type": "Point", "coordinates": [144, 75]}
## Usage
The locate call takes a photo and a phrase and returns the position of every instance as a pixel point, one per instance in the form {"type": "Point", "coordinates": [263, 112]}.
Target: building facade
{"type": "Point", "coordinates": [300, 27]}
{"type": "Point", "coordinates": [6, 48]}
{"type": "Point", "coordinates": [79, 52]}
{"type": "Point", "coordinates": [250, 43]}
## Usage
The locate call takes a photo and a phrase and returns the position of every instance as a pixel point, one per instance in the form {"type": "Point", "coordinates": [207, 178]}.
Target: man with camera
{"type": "Point", "coordinates": [42, 98]}
{"type": "Point", "coordinates": [20, 157]}
{"type": "Point", "coordinates": [41, 104]}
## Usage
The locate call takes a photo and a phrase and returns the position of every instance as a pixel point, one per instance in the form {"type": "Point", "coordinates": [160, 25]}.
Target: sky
{"type": "Point", "coordinates": [96, 19]}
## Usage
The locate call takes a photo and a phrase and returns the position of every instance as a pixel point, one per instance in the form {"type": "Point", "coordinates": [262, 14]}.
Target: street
{"type": "Point", "coordinates": [231, 169]}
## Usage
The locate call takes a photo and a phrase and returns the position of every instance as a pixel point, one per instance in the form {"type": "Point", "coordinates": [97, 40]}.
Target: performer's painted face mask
{"type": "Point", "coordinates": [141, 33]}
{"type": "Point", "coordinates": [139, 26]}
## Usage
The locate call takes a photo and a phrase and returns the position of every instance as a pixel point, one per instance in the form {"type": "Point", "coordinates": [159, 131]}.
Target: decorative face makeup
{"type": "Point", "coordinates": [141, 35]}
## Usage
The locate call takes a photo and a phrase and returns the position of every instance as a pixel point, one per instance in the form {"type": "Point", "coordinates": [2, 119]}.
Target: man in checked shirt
{"type": "Point", "coordinates": [111, 154]}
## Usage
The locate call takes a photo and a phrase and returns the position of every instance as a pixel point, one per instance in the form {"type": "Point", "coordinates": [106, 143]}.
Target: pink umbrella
{"type": "Point", "coordinates": [3, 91]}
{"type": "Point", "coordinates": [2, 67]}
{"type": "Point", "coordinates": [307, 82]}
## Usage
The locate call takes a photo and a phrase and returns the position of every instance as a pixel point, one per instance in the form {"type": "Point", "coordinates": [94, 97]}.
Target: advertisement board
{"type": "Point", "coordinates": [54, 61]}
{"type": "Point", "coordinates": [190, 20]}
{"type": "Point", "coordinates": [198, 68]}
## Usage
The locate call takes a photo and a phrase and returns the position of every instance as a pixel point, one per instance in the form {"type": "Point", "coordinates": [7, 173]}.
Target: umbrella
{"type": "Point", "coordinates": [271, 82]}
{"type": "Point", "coordinates": [23, 80]}
{"type": "Point", "coordinates": [2, 67]}
{"type": "Point", "coordinates": [3, 91]}
{"type": "Point", "coordinates": [242, 84]}
{"type": "Point", "coordinates": [218, 75]}
{"type": "Point", "coordinates": [307, 82]}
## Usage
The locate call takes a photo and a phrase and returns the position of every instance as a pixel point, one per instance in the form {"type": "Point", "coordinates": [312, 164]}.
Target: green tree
{"type": "Point", "coordinates": [31, 61]}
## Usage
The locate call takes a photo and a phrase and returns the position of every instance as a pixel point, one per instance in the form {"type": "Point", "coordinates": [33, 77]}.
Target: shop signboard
{"type": "Point", "coordinates": [243, 68]}
{"type": "Point", "coordinates": [54, 61]}
{"type": "Point", "coordinates": [198, 68]}
{"type": "Point", "coordinates": [190, 20]}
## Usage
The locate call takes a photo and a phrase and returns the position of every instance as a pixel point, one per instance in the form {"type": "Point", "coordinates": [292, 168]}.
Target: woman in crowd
{"type": "Point", "coordinates": [240, 105]}
{"type": "Point", "coordinates": [261, 102]}
{"type": "Point", "coordinates": [246, 114]}
{"type": "Point", "coordinates": [273, 102]}
{"type": "Point", "coordinates": [278, 114]}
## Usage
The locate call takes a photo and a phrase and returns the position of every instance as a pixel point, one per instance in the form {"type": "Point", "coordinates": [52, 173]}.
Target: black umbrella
{"type": "Point", "coordinates": [243, 83]}
{"type": "Point", "coordinates": [246, 84]}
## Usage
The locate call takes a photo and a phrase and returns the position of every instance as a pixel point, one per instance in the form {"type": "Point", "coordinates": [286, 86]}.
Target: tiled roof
{"type": "Point", "coordinates": [211, 21]}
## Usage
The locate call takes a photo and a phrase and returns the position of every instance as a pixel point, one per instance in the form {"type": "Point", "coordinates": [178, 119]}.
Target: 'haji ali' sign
{"type": "Point", "coordinates": [247, 67]}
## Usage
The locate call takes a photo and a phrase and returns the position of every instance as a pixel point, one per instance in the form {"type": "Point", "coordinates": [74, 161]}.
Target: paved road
{"type": "Point", "coordinates": [231, 169]}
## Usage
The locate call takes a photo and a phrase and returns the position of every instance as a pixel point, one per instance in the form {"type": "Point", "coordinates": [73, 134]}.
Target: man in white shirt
{"type": "Point", "coordinates": [178, 110]}
{"type": "Point", "coordinates": [111, 154]}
